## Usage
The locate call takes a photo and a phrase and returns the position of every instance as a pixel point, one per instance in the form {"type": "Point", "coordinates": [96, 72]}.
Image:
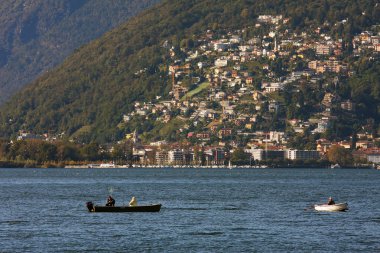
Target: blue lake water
{"type": "Point", "coordinates": [204, 210]}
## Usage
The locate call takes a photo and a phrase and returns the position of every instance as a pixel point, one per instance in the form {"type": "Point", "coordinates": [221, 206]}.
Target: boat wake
{"type": "Point", "coordinates": [206, 233]}
{"type": "Point", "coordinates": [188, 208]}
{"type": "Point", "coordinates": [13, 222]}
{"type": "Point", "coordinates": [231, 208]}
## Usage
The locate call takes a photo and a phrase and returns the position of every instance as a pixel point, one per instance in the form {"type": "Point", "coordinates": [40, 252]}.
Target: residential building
{"type": "Point", "coordinates": [203, 136]}
{"type": "Point", "coordinates": [262, 154]}
{"type": "Point", "coordinates": [294, 154]}
{"type": "Point", "coordinates": [221, 63]}
{"type": "Point", "coordinates": [218, 156]}
{"type": "Point", "coordinates": [373, 158]}
{"type": "Point", "coordinates": [323, 49]}
{"type": "Point", "coordinates": [272, 87]}
{"type": "Point", "coordinates": [225, 132]}
{"type": "Point", "coordinates": [162, 157]}
{"type": "Point", "coordinates": [175, 157]}
{"type": "Point", "coordinates": [347, 105]}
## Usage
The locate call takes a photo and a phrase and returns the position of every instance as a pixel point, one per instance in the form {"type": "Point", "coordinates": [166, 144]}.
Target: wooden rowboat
{"type": "Point", "coordinates": [119, 209]}
{"type": "Point", "coordinates": [340, 207]}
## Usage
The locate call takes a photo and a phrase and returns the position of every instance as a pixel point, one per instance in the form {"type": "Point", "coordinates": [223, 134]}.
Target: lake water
{"type": "Point", "coordinates": [204, 210]}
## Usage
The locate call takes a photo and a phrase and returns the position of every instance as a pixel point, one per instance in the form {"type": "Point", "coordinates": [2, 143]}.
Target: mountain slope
{"type": "Point", "coordinates": [37, 35]}
{"type": "Point", "coordinates": [93, 88]}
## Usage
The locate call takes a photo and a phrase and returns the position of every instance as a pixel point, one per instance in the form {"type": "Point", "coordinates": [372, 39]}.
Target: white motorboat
{"type": "Point", "coordinates": [335, 166]}
{"type": "Point", "coordinates": [331, 208]}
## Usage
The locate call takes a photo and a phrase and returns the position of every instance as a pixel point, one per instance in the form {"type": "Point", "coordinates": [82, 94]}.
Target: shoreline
{"type": "Point", "coordinates": [188, 167]}
{"type": "Point", "coordinates": [61, 165]}
{"type": "Point", "coordinates": [220, 167]}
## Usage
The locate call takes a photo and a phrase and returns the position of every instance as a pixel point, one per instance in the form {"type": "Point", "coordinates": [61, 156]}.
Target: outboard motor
{"type": "Point", "coordinates": [90, 206]}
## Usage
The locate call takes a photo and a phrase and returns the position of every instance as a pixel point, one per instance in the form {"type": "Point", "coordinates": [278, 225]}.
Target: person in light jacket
{"type": "Point", "coordinates": [133, 202]}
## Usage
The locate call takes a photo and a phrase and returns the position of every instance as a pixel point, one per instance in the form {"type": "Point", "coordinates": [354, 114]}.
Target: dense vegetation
{"type": "Point", "coordinates": [37, 153]}
{"type": "Point", "coordinates": [37, 35]}
{"type": "Point", "coordinates": [87, 95]}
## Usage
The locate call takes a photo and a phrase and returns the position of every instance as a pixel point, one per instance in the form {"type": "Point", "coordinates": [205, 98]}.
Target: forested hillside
{"type": "Point", "coordinates": [37, 35]}
{"type": "Point", "coordinates": [88, 94]}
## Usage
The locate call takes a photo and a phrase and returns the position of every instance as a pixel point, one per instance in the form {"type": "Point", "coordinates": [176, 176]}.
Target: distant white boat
{"type": "Point", "coordinates": [331, 208]}
{"type": "Point", "coordinates": [107, 165]}
{"type": "Point", "coordinates": [95, 165]}
{"type": "Point", "coordinates": [335, 166]}
{"type": "Point", "coordinates": [101, 165]}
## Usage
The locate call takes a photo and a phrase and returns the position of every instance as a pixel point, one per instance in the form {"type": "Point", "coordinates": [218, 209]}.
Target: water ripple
{"type": "Point", "coordinates": [14, 222]}
{"type": "Point", "coordinates": [203, 211]}
{"type": "Point", "coordinates": [206, 233]}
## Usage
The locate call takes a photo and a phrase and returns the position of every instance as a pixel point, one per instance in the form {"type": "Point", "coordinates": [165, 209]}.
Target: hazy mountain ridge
{"type": "Point", "coordinates": [37, 35]}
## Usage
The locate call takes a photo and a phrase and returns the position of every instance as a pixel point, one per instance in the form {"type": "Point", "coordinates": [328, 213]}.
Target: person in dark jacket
{"type": "Point", "coordinates": [330, 201]}
{"type": "Point", "coordinates": [110, 201]}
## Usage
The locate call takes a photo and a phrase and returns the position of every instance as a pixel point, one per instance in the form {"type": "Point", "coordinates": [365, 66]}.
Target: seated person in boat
{"type": "Point", "coordinates": [110, 201]}
{"type": "Point", "coordinates": [330, 201]}
{"type": "Point", "coordinates": [133, 202]}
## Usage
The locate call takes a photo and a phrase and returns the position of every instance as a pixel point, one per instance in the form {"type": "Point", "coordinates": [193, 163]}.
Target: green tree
{"type": "Point", "coordinates": [4, 149]}
{"type": "Point", "coordinates": [123, 152]}
{"type": "Point", "coordinates": [187, 43]}
{"type": "Point", "coordinates": [47, 152]}
{"type": "Point", "coordinates": [239, 157]}
{"type": "Point", "coordinates": [340, 155]}
{"type": "Point", "coordinates": [67, 152]}
{"type": "Point", "coordinates": [91, 152]}
{"type": "Point", "coordinates": [244, 13]}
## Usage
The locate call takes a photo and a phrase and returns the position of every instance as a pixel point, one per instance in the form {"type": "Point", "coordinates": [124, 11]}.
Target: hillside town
{"type": "Point", "coordinates": [251, 96]}
{"type": "Point", "coordinates": [226, 88]}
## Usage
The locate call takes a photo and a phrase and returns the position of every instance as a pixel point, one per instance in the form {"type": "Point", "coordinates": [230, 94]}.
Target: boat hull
{"type": "Point", "coordinates": [331, 208]}
{"type": "Point", "coordinates": [124, 209]}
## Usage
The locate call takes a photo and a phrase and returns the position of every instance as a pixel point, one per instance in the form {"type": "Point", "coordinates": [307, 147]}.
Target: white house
{"type": "Point", "coordinates": [221, 63]}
